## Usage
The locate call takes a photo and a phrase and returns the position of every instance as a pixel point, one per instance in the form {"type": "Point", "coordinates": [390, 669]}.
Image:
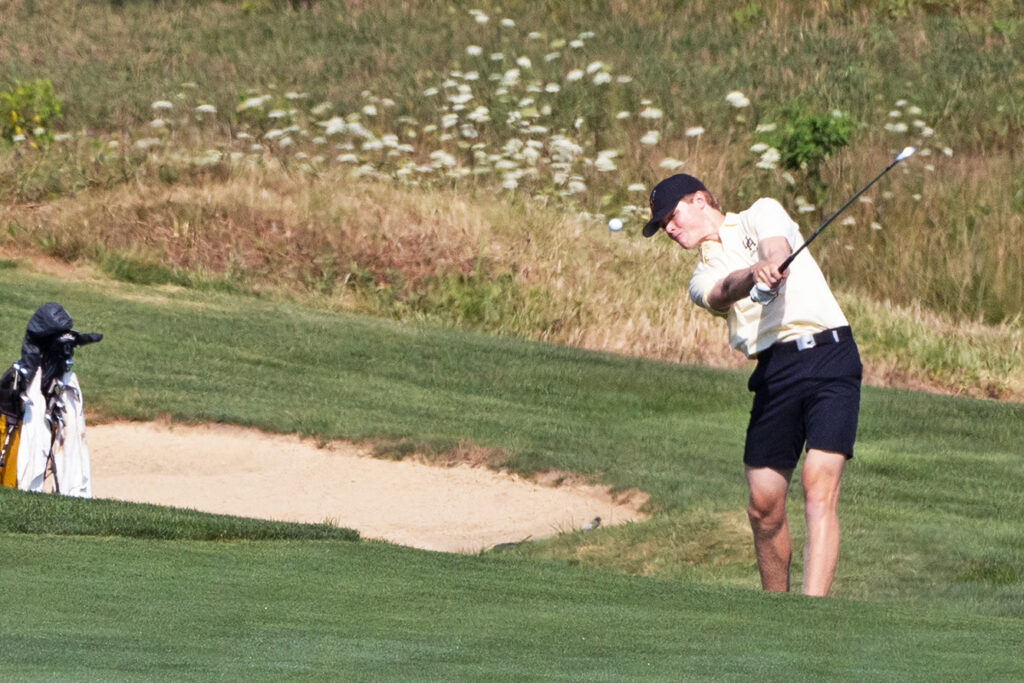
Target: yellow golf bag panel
{"type": "Point", "coordinates": [9, 453]}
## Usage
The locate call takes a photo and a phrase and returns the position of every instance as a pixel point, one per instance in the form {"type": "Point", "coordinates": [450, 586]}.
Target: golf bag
{"type": "Point", "coordinates": [42, 421]}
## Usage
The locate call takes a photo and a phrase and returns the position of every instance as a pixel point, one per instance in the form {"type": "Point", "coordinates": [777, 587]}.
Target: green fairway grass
{"type": "Point", "coordinates": [929, 507]}
{"type": "Point", "coordinates": [123, 609]}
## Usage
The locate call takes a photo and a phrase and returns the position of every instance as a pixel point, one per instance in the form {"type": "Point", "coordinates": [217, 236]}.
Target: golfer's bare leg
{"type": "Point", "coordinates": [820, 478]}
{"type": "Point", "coordinates": [767, 512]}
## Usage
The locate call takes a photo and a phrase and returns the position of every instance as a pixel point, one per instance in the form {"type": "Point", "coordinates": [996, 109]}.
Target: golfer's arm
{"type": "Point", "coordinates": [737, 284]}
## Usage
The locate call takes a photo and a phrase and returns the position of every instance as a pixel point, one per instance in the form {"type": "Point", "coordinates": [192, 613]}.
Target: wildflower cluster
{"type": "Point", "coordinates": [539, 115]}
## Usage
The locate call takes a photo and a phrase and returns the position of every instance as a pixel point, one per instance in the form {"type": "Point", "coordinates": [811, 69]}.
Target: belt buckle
{"type": "Point", "coordinates": [806, 342]}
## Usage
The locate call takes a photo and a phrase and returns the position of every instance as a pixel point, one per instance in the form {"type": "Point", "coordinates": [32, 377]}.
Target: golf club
{"type": "Point", "coordinates": [761, 293]}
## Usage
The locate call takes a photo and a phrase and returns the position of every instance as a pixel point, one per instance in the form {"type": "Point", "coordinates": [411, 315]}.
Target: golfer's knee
{"type": "Point", "coordinates": [766, 519]}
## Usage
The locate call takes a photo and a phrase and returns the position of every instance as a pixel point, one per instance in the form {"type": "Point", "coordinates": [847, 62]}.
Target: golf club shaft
{"type": "Point", "coordinates": [789, 259]}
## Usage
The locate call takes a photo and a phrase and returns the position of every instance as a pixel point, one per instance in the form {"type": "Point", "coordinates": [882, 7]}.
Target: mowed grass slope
{"type": "Point", "coordinates": [930, 503]}
{"type": "Point", "coordinates": [124, 609]}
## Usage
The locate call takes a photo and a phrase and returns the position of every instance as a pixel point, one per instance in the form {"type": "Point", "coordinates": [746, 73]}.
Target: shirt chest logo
{"type": "Point", "coordinates": [749, 244]}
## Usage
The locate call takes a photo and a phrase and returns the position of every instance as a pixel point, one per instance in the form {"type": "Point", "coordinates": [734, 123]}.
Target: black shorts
{"type": "Point", "coordinates": [809, 396]}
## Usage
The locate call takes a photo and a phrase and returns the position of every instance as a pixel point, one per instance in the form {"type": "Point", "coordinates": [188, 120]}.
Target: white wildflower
{"type": "Point", "coordinates": [651, 113]}
{"type": "Point", "coordinates": [508, 23]}
{"type": "Point", "coordinates": [552, 88]}
{"type": "Point", "coordinates": [637, 187]}
{"type": "Point", "coordinates": [162, 105]}
{"type": "Point", "coordinates": [670, 164]}
{"type": "Point", "coordinates": [523, 62]}
{"type": "Point", "coordinates": [449, 120]}
{"type": "Point", "coordinates": [441, 158]}
{"type": "Point", "coordinates": [605, 160]}
{"type": "Point", "coordinates": [694, 131]}
{"type": "Point", "coordinates": [650, 138]}
{"type": "Point", "coordinates": [737, 99]}
{"type": "Point", "coordinates": [479, 115]}
{"type": "Point", "coordinates": [759, 147]}
{"type": "Point", "coordinates": [552, 56]}
{"type": "Point", "coordinates": [253, 102]}
{"type": "Point", "coordinates": [370, 110]}
{"type": "Point", "coordinates": [765, 127]}
{"type": "Point", "coordinates": [622, 115]}
{"type": "Point", "coordinates": [623, 79]}
{"type": "Point", "coordinates": [849, 220]}
{"type": "Point", "coordinates": [474, 50]}
{"type": "Point", "coordinates": [206, 109]}
{"type": "Point", "coordinates": [594, 66]}
{"type": "Point", "coordinates": [602, 78]}
{"type": "Point", "coordinates": [576, 44]}
{"type": "Point", "coordinates": [574, 75]}
{"type": "Point", "coordinates": [771, 156]}
{"type": "Point", "coordinates": [876, 226]}
{"type": "Point", "coordinates": [277, 114]}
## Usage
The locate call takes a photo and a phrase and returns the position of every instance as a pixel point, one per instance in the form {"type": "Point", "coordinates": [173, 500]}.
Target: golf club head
{"type": "Point", "coordinates": [907, 151]}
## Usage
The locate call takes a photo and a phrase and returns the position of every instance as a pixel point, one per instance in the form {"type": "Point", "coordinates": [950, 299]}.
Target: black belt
{"type": "Point", "coordinates": [809, 341]}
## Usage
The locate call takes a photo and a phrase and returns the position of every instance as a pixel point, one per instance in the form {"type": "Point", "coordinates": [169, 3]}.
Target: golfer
{"type": "Point", "coordinates": [807, 381]}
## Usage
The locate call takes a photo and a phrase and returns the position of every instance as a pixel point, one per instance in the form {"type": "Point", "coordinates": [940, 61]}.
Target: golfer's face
{"type": "Point", "coordinates": [685, 225]}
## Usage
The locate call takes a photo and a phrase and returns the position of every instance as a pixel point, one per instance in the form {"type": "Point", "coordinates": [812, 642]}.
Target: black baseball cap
{"type": "Point", "coordinates": [666, 195]}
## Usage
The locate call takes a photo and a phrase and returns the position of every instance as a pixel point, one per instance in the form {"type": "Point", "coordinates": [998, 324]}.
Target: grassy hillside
{"type": "Point", "coordinates": [458, 162]}
{"type": "Point", "coordinates": [931, 493]}
{"type": "Point", "coordinates": [387, 222]}
{"type": "Point", "coordinates": [929, 581]}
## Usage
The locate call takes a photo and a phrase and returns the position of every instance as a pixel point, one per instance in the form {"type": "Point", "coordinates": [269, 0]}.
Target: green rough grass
{"type": "Point", "coordinates": [180, 610]}
{"type": "Point", "coordinates": [40, 514]}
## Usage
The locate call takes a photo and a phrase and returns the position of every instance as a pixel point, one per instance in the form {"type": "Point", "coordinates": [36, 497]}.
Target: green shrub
{"type": "Point", "coordinates": [28, 111]}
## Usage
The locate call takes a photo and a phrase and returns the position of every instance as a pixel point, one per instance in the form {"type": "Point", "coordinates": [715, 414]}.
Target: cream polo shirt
{"type": "Point", "coordinates": [805, 303]}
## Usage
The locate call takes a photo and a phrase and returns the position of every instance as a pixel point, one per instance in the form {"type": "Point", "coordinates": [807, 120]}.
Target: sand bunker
{"type": "Point", "coordinates": [236, 471]}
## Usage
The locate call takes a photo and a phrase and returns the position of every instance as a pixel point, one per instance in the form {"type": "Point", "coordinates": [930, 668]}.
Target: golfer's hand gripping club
{"type": "Point", "coordinates": [762, 293]}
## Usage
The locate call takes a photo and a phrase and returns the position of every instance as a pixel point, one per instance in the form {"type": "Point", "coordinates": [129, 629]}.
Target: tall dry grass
{"type": "Point", "coordinates": [368, 247]}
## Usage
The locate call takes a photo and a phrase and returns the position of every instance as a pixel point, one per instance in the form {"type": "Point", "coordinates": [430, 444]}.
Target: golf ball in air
{"type": "Point", "coordinates": [615, 224]}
